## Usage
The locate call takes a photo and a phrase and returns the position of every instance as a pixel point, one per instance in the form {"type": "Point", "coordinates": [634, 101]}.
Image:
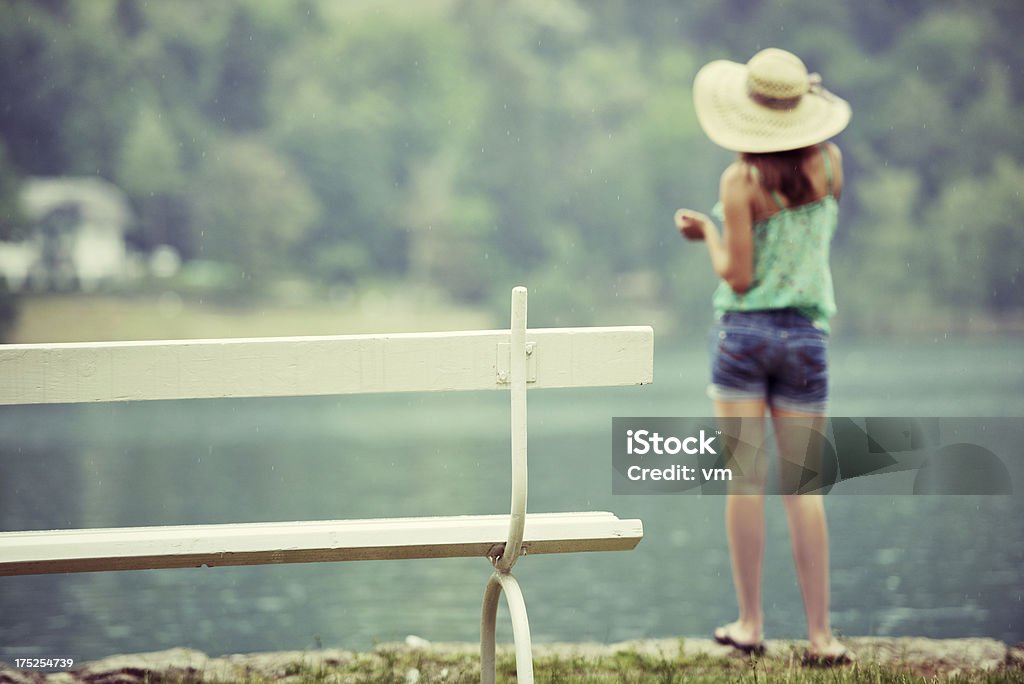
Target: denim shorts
{"type": "Point", "coordinates": [777, 355]}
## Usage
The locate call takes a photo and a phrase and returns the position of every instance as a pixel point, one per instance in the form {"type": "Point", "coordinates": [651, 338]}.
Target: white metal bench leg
{"type": "Point", "coordinates": [498, 583]}
{"type": "Point", "coordinates": [504, 558]}
{"type": "Point", "coordinates": [517, 394]}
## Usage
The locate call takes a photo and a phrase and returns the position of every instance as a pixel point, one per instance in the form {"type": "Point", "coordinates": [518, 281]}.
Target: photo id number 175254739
{"type": "Point", "coordinates": [43, 663]}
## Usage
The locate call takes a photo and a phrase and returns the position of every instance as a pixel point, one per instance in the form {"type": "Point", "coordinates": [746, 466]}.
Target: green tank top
{"type": "Point", "coordinates": [791, 260]}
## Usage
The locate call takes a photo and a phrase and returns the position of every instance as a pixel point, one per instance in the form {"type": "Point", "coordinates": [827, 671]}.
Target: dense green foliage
{"type": "Point", "coordinates": [464, 146]}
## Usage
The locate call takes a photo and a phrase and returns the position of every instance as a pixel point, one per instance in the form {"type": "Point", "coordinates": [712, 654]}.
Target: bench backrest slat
{"type": "Point", "coordinates": [300, 366]}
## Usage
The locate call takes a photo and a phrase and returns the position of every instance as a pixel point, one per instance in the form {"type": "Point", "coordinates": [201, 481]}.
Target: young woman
{"type": "Point", "coordinates": [778, 209]}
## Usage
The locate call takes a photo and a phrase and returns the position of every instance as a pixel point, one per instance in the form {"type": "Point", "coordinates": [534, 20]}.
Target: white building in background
{"type": "Point", "coordinates": [77, 238]}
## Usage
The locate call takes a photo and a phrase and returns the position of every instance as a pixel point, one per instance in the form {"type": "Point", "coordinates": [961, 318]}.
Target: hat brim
{"type": "Point", "coordinates": [731, 119]}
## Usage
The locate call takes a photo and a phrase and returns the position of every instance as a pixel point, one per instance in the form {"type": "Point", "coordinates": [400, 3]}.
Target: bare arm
{"type": "Point", "coordinates": [732, 252]}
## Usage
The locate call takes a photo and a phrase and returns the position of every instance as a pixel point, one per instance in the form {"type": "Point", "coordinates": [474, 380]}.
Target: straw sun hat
{"type": "Point", "coordinates": [769, 104]}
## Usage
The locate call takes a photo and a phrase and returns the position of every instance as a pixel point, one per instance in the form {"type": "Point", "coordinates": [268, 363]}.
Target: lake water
{"type": "Point", "coordinates": [934, 566]}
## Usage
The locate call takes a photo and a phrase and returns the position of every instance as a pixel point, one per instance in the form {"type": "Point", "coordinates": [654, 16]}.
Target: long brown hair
{"type": "Point", "coordinates": [784, 173]}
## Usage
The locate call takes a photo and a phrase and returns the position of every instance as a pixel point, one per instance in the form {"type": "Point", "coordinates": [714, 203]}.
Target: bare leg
{"type": "Point", "coordinates": [808, 530]}
{"type": "Point", "coordinates": [744, 519]}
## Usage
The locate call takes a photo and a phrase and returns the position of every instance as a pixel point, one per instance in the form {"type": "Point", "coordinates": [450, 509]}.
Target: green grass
{"type": "Point", "coordinates": [94, 318]}
{"type": "Point", "coordinates": [396, 665]}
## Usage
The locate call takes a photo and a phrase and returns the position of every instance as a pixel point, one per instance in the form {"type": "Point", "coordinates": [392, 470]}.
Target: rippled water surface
{"type": "Point", "coordinates": [929, 566]}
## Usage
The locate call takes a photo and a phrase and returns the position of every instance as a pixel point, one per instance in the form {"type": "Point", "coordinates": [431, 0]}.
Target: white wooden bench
{"type": "Point", "coordinates": [299, 366]}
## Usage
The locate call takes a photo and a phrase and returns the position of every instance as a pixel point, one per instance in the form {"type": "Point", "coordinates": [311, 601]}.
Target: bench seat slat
{"type": "Point", "coordinates": [138, 548]}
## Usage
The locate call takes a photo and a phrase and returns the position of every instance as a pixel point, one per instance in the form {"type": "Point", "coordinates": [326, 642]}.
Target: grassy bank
{"type": "Point", "coordinates": [878, 660]}
{"type": "Point", "coordinates": [387, 665]}
{"type": "Point", "coordinates": [92, 318]}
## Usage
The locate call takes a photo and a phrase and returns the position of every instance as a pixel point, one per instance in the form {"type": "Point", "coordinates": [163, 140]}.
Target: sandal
{"type": "Point", "coordinates": [841, 657]}
{"type": "Point", "coordinates": [722, 637]}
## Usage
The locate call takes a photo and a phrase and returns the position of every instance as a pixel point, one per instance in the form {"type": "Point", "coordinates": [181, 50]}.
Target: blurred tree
{"type": "Point", "coordinates": [683, 169]}
{"type": "Point", "coordinates": [521, 146]}
{"type": "Point", "coordinates": [12, 226]}
{"type": "Point", "coordinates": [935, 65]}
{"type": "Point", "coordinates": [95, 79]}
{"type": "Point", "coordinates": [150, 170]}
{"type": "Point", "coordinates": [37, 89]}
{"type": "Point", "coordinates": [251, 209]}
{"type": "Point", "coordinates": [449, 234]}
{"type": "Point", "coordinates": [986, 132]}
{"type": "Point", "coordinates": [370, 98]}
{"type": "Point", "coordinates": [602, 165]}
{"type": "Point", "coordinates": [12, 219]}
{"type": "Point", "coordinates": [882, 275]}
{"type": "Point", "coordinates": [348, 162]}
{"type": "Point", "coordinates": [237, 100]}
{"type": "Point", "coordinates": [256, 34]}
{"type": "Point", "coordinates": [976, 253]}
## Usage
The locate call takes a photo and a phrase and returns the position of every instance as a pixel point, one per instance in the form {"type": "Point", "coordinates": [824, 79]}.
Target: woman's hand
{"type": "Point", "coordinates": [692, 225]}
